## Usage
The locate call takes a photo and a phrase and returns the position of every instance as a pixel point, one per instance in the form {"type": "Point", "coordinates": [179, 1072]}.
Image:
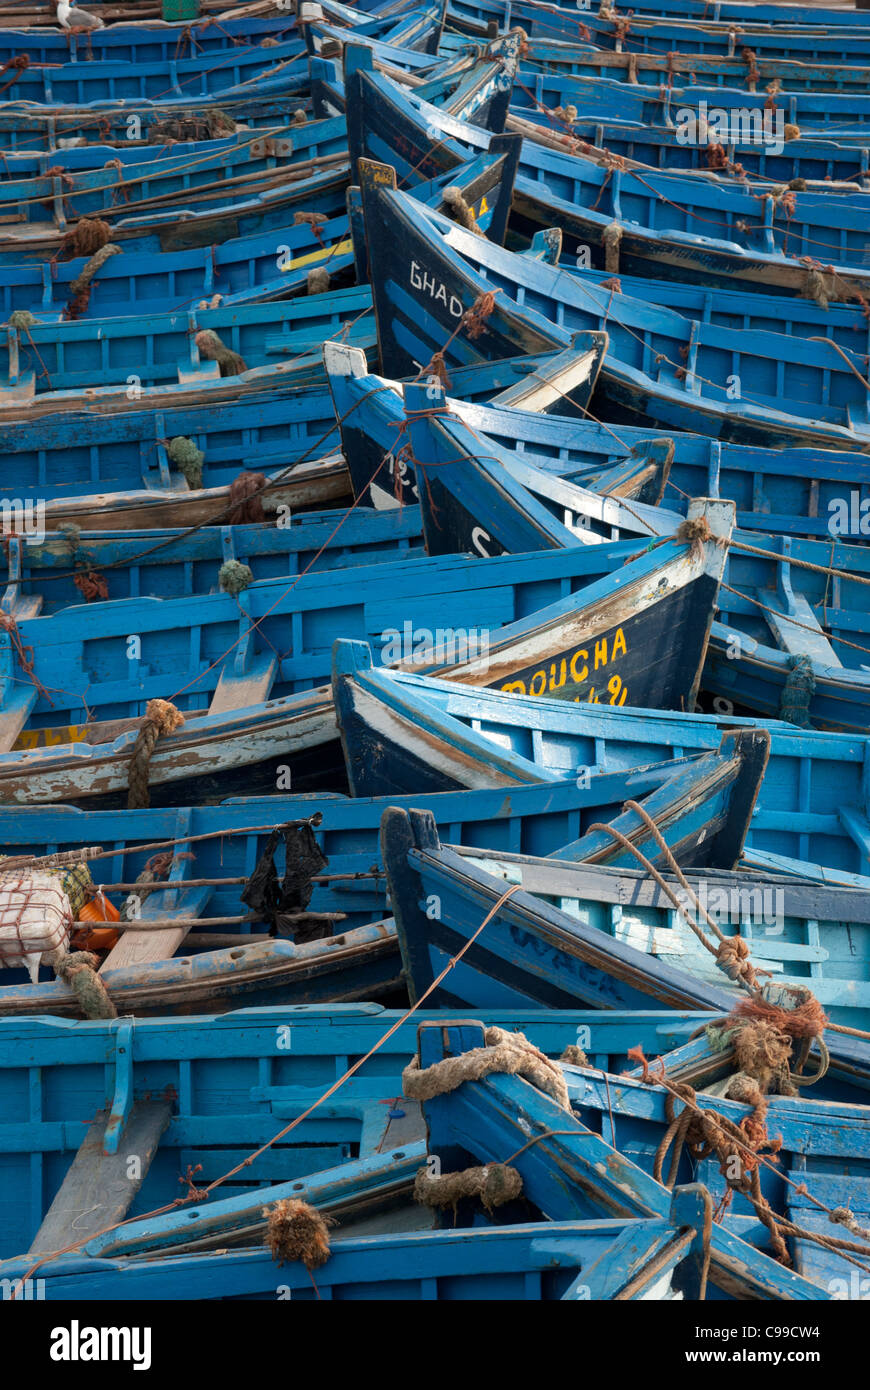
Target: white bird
{"type": "Point", "coordinates": [71, 18]}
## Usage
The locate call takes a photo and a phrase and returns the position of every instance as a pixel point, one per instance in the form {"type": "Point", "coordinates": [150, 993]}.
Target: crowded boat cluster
{"type": "Point", "coordinates": [434, 651]}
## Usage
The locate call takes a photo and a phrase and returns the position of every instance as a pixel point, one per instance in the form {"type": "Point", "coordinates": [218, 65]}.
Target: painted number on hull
{"type": "Point", "coordinates": [401, 474]}
{"type": "Point", "coordinates": [436, 289]}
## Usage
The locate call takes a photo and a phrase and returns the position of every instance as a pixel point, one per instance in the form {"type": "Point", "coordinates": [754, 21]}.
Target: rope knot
{"type": "Point", "coordinates": [233, 577]}
{"type": "Point", "coordinates": [188, 457]}
{"type": "Point", "coordinates": [696, 533]}
{"type": "Point", "coordinates": [213, 349]}
{"type": "Point", "coordinates": [91, 585]}
{"type": "Point", "coordinates": [474, 319]}
{"type": "Point", "coordinates": [78, 971]}
{"type": "Point", "coordinates": [732, 956]}
{"type": "Point", "coordinates": [460, 210]}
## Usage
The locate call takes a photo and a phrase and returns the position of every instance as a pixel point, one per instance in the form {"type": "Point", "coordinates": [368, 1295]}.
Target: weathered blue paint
{"type": "Point", "coordinates": [659, 364]}
{"type": "Point", "coordinates": [813, 805]}
{"type": "Point", "coordinates": [778, 491]}
{"type": "Point", "coordinates": [808, 937]}
{"type": "Point", "coordinates": [237, 1078]}
{"type": "Point", "coordinates": [570, 1172]}
{"type": "Point", "coordinates": [538, 603]}
{"type": "Point", "coordinates": [668, 221]}
{"type": "Point", "coordinates": [536, 1263]}
{"type": "Point", "coordinates": [844, 42]}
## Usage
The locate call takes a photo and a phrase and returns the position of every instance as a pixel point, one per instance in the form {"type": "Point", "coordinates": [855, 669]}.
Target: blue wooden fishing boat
{"type": "Point", "coordinates": [249, 83]}
{"type": "Point", "coordinates": [811, 938]}
{"type": "Point", "coordinates": [115, 470]}
{"type": "Point", "coordinates": [161, 564]}
{"type": "Point", "coordinates": [543, 1262]}
{"type": "Point", "coordinates": [262, 100]}
{"type": "Point", "coordinates": [571, 1169]}
{"type": "Point", "coordinates": [812, 1155]}
{"type": "Point", "coordinates": [146, 179]}
{"type": "Point", "coordinates": [735, 10]}
{"type": "Point", "coordinates": [102, 346]}
{"type": "Point", "coordinates": [779, 491]}
{"type": "Point", "coordinates": [78, 84]}
{"type": "Point", "coordinates": [813, 804]}
{"type": "Point", "coordinates": [807, 40]}
{"type": "Point", "coordinates": [582, 950]}
{"type": "Point", "coordinates": [373, 422]}
{"type": "Point", "coordinates": [135, 469]}
{"type": "Point", "coordinates": [240, 271]}
{"type": "Point", "coordinates": [807, 157]}
{"type": "Point", "coordinates": [144, 42]}
{"type": "Point", "coordinates": [659, 365]}
{"type": "Point", "coordinates": [661, 222]}
{"type": "Point", "coordinates": [233, 1087]}
{"type": "Point", "coordinates": [210, 217]}
{"type": "Point", "coordinates": [845, 324]}
{"type": "Point", "coordinates": [557, 61]}
{"type": "Point", "coordinates": [168, 359]}
{"type": "Point", "coordinates": [649, 617]}
{"type": "Point", "coordinates": [76, 161]}
{"type": "Point", "coordinates": [779, 645]}
{"type": "Point", "coordinates": [836, 115]}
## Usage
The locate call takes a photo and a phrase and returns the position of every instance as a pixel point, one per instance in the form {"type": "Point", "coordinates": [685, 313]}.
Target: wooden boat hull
{"type": "Point", "coordinates": [408, 607]}
{"type": "Point", "coordinates": [361, 964]}
{"type": "Point", "coordinates": [812, 806]}
{"type": "Point", "coordinates": [221, 1105]}
{"type": "Point", "coordinates": [802, 935]}
{"type": "Point", "coordinates": [48, 571]}
{"type": "Point", "coordinates": [88, 364]}
{"type": "Point", "coordinates": [570, 1170]}
{"type": "Point", "coordinates": [533, 954]}
{"type": "Point", "coordinates": [444, 257]}
{"type": "Point", "coordinates": [534, 1263]}
{"type": "Point", "coordinates": [651, 33]}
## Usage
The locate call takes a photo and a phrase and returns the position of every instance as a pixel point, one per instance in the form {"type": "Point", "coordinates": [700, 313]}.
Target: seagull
{"type": "Point", "coordinates": [74, 20]}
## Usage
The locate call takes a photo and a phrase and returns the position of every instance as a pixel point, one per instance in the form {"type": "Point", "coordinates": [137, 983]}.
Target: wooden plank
{"type": "Point", "coordinates": [554, 878]}
{"type": "Point", "coordinates": [142, 947]}
{"type": "Point", "coordinates": [796, 639]}
{"type": "Point", "coordinates": [252, 688]}
{"type": "Point", "coordinates": [98, 1189]}
{"type": "Point", "coordinates": [15, 714]}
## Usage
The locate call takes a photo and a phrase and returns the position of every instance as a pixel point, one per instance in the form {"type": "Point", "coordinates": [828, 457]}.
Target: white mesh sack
{"type": "Point", "coordinates": [35, 917]}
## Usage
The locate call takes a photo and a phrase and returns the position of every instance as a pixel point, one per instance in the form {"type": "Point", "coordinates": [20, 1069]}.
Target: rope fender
{"type": "Point", "coordinates": [297, 1231]}
{"type": "Point", "coordinates": [495, 1184]}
